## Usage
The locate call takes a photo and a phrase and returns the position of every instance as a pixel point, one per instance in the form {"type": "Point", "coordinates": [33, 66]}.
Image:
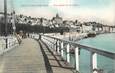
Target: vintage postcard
{"type": "Point", "coordinates": [57, 36]}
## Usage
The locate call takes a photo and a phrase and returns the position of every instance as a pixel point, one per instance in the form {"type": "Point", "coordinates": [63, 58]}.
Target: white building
{"type": "Point", "coordinates": [87, 28]}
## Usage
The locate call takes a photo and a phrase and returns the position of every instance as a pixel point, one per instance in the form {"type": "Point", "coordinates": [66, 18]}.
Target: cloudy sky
{"type": "Point", "coordinates": [84, 10]}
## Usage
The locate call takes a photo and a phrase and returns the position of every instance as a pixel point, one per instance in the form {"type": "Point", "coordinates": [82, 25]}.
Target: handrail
{"type": "Point", "coordinates": [61, 46]}
{"type": "Point", "coordinates": [91, 49]}
{"type": "Point", "coordinates": [11, 43]}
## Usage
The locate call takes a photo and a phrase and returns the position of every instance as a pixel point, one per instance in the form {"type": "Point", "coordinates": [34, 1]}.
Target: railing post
{"type": "Point", "coordinates": [77, 59]}
{"type": "Point", "coordinates": [68, 53]}
{"type": "Point", "coordinates": [93, 63]}
{"type": "Point", "coordinates": [55, 45]}
{"type": "Point", "coordinates": [6, 41]}
{"type": "Point", "coordinates": [62, 49]}
{"type": "Point", "coordinates": [52, 45]}
{"type": "Point", "coordinates": [58, 47]}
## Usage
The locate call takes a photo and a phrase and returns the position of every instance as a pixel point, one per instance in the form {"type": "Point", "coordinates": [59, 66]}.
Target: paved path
{"type": "Point", "coordinates": [32, 57]}
{"type": "Point", "coordinates": [27, 58]}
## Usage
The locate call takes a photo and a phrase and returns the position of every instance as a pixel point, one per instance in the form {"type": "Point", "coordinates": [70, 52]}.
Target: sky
{"type": "Point", "coordinates": [84, 10]}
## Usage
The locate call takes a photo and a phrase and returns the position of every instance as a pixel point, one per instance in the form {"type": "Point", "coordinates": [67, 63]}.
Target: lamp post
{"type": "Point", "coordinates": [5, 16]}
{"type": "Point", "coordinates": [5, 21]}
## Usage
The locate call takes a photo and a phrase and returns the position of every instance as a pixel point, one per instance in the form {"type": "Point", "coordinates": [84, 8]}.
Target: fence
{"type": "Point", "coordinates": [67, 48]}
{"type": "Point", "coordinates": [7, 43]}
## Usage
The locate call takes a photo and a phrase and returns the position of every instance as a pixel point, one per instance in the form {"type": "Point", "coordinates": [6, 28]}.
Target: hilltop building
{"type": "Point", "coordinates": [57, 21]}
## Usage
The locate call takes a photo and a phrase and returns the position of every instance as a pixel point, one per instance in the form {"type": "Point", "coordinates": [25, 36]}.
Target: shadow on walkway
{"type": "Point", "coordinates": [55, 58]}
{"type": "Point", "coordinates": [47, 64]}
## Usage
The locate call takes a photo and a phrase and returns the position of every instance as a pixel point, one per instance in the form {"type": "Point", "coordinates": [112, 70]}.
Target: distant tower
{"type": "Point", "coordinates": [57, 21]}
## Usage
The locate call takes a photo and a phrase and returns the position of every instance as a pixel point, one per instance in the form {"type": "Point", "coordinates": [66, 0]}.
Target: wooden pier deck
{"type": "Point", "coordinates": [32, 57]}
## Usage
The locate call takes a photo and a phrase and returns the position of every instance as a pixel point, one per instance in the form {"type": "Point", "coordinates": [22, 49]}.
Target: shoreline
{"type": "Point", "coordinates": [74, 36]}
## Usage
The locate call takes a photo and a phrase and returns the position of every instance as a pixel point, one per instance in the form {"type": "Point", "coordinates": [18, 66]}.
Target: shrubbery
{"type": "Point", "coordinates": [27, 28]}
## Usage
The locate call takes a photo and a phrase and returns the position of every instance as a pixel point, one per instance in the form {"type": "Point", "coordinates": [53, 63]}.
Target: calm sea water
{"type": "Point", "coordinates": [104, 42]}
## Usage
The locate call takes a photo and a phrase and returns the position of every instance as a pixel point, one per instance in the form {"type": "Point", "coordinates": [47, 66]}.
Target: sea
{"type": "Point", "coordinates": [104, 42]}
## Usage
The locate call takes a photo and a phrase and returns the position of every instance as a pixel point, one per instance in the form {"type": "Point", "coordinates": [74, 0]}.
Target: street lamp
{"type": "Point", "coordinates": [5, 16]}
{"type": "Point", "coordinates": [5, 21]}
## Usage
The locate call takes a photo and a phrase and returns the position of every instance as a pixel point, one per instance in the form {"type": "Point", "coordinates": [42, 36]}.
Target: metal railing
{"type": "Point", "coordinates": [7, 43]}
{"type": "Point", "coordinates": [61, 46]}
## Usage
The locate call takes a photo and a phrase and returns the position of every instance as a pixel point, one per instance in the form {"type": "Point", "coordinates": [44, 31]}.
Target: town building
{"type": "Point", "coordinates": [57, 21]}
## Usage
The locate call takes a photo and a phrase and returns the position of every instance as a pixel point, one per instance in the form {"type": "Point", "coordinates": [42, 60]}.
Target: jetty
{"type": "Point", "coordinates": [45, 54]}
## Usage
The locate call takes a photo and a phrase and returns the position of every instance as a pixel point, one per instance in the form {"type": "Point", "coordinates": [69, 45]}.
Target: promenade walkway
{"type": "Point", "coordinates": [32, 57]}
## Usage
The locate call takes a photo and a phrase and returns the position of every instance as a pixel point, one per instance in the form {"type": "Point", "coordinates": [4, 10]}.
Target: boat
{"type": "Point", "coordinates": [91, 34]}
